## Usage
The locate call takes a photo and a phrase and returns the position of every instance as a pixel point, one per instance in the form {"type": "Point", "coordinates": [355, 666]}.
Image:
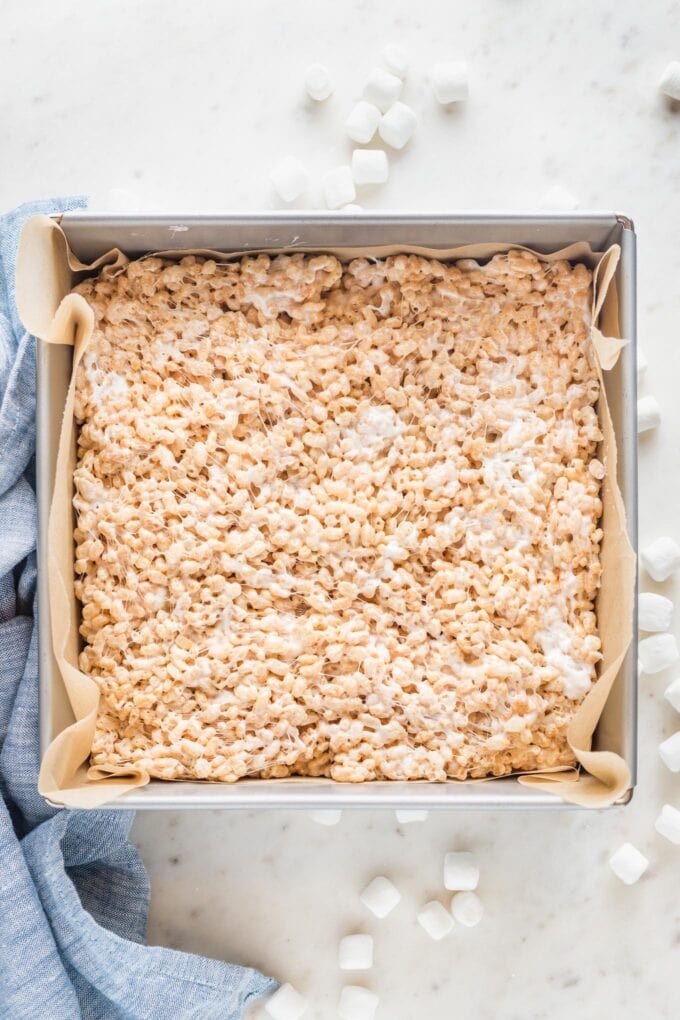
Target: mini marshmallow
{"type": "Point", "coordinates": [670, 752]}
{"type": "Point", "coordinates": [370, 166]}
{"type": "Point", "coordinates": [406, 817]}
{"type": "Point", "coordinates": [558, 199]}
{"type": "Point", "coordinates": [467, 909]}
{"type": "Point", "coordinates": [362, 122]}
{"type": "Point", "coordinates": [648, 413]}
{"type": "Point", "coordinates": [382, 88]}
{"type": "Point", "coordinates": [672, 694]}
{"type": "Point", "coordinates": [286, 1004]}
{"type": "Point", "coordinates": [397, 125]}
{"type": "Point", "coordinates": [655, 612]}
{"type": "Point", "coordinates": [327, 817]}
{"type": "Point", "coordinates": [380, 896]}
{"type": "Point", "coordinates": [357, 1003]}
{"type": "Point", "coordinates": [657, 652]}
{"type": "Point", "coordinates": [628, 863]}
{"type": "Point", "coordinates": [661, 558]}
{"type": "Point", "coordinates": [338, 187]}
{"type": "Point", "coordinates": [435, 919]}
{"type": "Point", "coordinates": [449, 82]}
{"type": "Point", "coordinates": [318, 82]}
{"type": "Point", "coordinates": [668, 824]}
{"type": "Point", "coordinates": [395, 59]}
{"type": "Point", "coordinates": [290, 178]}
{"type": "Point", "coordinates": [352, 207]}
{"type": "Point", "coordinates": [355, 952]}
{"type": "Point", "coordinates": [461, 871]}
{"type": "Point", "coordinates": [641, 364]}
{"type": "Point", "coordinates": [670, 80]}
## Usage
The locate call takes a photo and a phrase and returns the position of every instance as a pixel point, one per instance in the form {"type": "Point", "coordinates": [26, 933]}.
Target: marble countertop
{"type": "Point", "coordinates": [189, 106]}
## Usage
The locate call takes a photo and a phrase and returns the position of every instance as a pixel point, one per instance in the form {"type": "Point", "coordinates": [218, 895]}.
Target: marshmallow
{"type": "Point", "coordinates": [628, 863]}
{"type": "Point", "coordinates": [661, 558]}
{"type": "Point", "coordinates": [286, 1004]}
{"type": "Point", "coordinates": [328, 817]}
{"type": "Point", "coordinates": [670, 80]}
{"type": "Point", "coordinates": [670, 752]}
{"type": "Point", "coordinates": [558, 199]}
{"type": "Point", "coordinates": [657, 652]}
{"type": "Point", "coordinates": [362, 122]}
{"type": "Point", "coordinates": [357, 1003]}
{"type": "Point", "coordinates": [655, 612]}
{"type": "Point", "coordinates": [449, 82]}
{"type": "Point", "coordinates": [396, 60]}
{"type": "Point", "coordinates": [406, 817]}
{"type": "Point", "coordinates": [318, 82]}
{"type": "Point", "coordinates": [648, 413]}
{"type": "Point", "coordinates": [397, 125]}
{"type": "Point", "coordinates": [290, 178]}
{"type": "Point", "coordinates": [668, 824]}
{"type": "Point", "coordinates": [641, 364]}
{"type": "Point", "coordinates": [672, 694]}
{"type": "Point", "coordinates": [435, 919]}
{"type": "Point", "coordinates": [382, 88]}
{"type": "Point", "coordinates": [352, 207]}
{"type": "Point", "coordinates": [467, 909]}
{"type": "Point", "coordinates": [355, 952]}
{"type": "Point", "coordinates": [461, 871]}
{"type": "Point", "coordinates": [380, 896]}
{"type": "Point", "coordinates": [369, 166]}
{"type": "Point", "coordinates": [338, 187]}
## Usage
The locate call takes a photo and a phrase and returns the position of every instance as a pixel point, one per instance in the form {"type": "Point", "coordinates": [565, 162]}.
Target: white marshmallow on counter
{"type": "Point", "coordinates": [355, 952]}
{"type": "Point", "coordinates": [382, 88]}
{"type": "Point", "coordinates": [406, 817]}
{"type": "Point", "coordinates": [369, 166]}
{"type": "Point", "coordinates": [641, 364]}
{"type": "Point", "coordinates": [670, 80]}
{"type": "Point", "coordinates": [435, 920]}
{"type": "Point", "coordinates": [318, 82]}
{"type": "Point", "coordinates": [661, 558]}
{"type": "Point", "coordinates": [325, 817]}
{"type": "Point", "coordinates": [655, 612]}
{"type": "Point", "coordinates": [657, 652]}
{"type": "Point", "coordinates": [449, 82]}
{"type": "Point", "coordinates": [380, 896]}
{"type": "Point", "coordinates": [461, 871]}
{"type": "Point", "coordinates": [467, 909]}
{"type": "Point", "coordinates": [670, 752]}
{"type": "Point", "coordinates": [357, 1003]}
{"type": "Point", "coordinates": [672, 694]}
{"type": "Point", "coordinates": [290, 178]}
{"type": "Point", "coordinates": [628, 863]}
{"type": "Point", "coordinates": [558, 199]}
{"type": "Point", "coordinates": [338, 187]}
{"type": "Point", "coordinates": [352, 207]}
{"type": "Point", "coordinates": [668, 824]}
{"type": "Point", "coordinates": [286, 1004]}
{"type": "Point", "coordinates": [397, 125]}
{"type": "Point", "coordinates": [648, 413]}
{"type": "Point", "coordinates": [396, 60]}
{"type": "Point", "coordinates": [362, 122]}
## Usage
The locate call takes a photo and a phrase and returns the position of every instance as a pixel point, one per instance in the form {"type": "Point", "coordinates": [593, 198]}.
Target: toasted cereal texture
{"type": "Point", "coordinates": [338, 520]}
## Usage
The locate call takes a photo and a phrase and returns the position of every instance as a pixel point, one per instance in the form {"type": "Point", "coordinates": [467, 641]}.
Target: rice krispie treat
{"type": "Point", "coordinates": [338, 520]}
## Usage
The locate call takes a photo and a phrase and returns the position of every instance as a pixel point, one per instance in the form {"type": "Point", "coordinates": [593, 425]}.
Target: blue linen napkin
{"type": "Point", "coordinates": [74, 895]}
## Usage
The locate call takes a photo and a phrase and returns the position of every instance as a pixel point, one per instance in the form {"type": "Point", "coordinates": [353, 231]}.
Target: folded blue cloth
{"type": "Point", "coordinates": [74, 895]}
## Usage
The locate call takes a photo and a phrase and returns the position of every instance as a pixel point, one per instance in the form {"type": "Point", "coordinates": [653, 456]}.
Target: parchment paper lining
{"type": "Point", "coordinates": [47, 270]}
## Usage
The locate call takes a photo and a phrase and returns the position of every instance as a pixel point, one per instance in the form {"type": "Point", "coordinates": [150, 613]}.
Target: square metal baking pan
{"type": "Point", "coordinates": [91, 235]}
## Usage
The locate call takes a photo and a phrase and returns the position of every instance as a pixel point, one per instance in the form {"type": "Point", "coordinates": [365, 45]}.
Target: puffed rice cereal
{"type": "Point", "coordinates": [338, 519]}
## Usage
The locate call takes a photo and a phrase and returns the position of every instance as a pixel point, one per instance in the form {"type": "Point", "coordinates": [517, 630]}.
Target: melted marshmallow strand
{"type": "Point", "coordinates": [338, 520]}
